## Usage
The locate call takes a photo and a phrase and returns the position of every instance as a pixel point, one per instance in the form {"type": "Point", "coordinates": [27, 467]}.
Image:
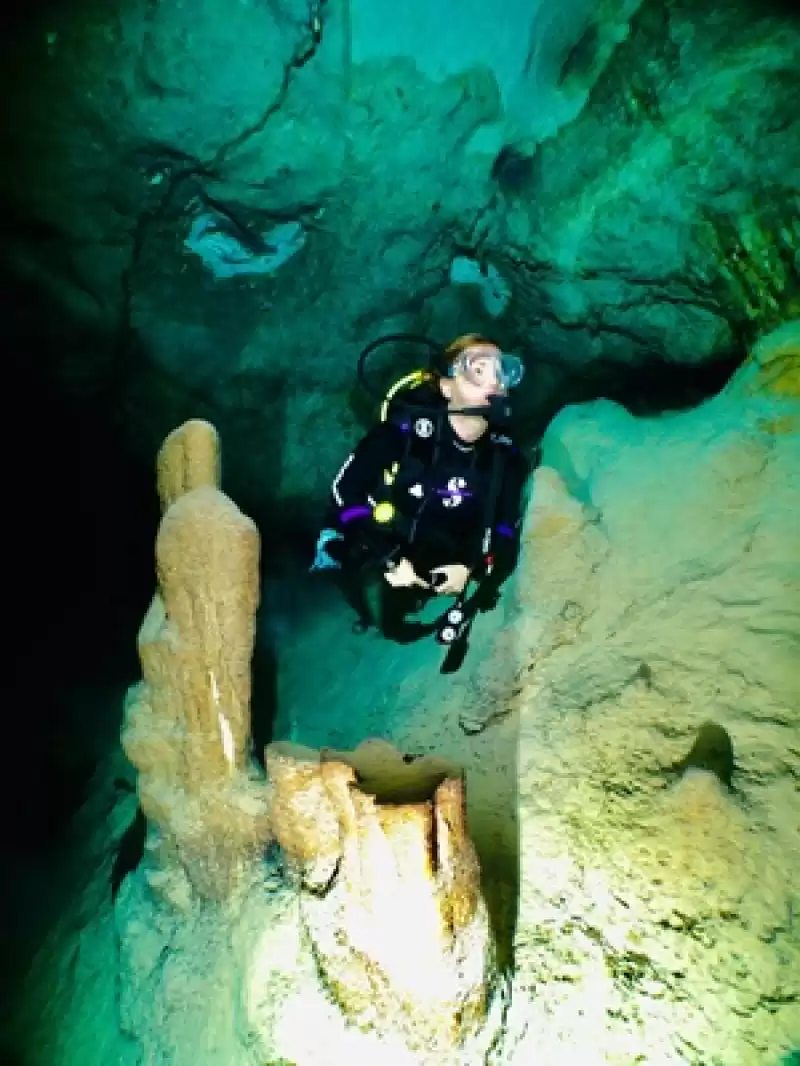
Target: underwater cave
{"type": "Point", "coordinates": [210, 215]}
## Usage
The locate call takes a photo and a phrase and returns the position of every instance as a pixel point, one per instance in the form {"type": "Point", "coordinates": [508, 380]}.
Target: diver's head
{"type": "Point", "coordinates": [478, 373]}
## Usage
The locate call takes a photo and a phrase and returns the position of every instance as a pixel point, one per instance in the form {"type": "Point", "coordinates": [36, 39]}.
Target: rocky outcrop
{"type": "Point", "coordinates": [632, 761]}
{"type": "Point", "coordinates": [390, 893]}
{"type": "Point", "coordinates": [187, 725]}
{"type": "Point", "coordinates": [642, 692]}
{"type": "Point", "coordinates": [632, 733]}
{"type": "Point", "coordinates": [393, 937]}
{"type": "Point", "coordinates": [658, 729]}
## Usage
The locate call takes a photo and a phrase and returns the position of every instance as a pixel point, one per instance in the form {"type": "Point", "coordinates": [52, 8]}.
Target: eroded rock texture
{"type": "Point", "coordinates": [645, 226]}
{"type": "Point", "coordinates": [187, 725]}
{"type": "Point", "coordinates": [390, 894]}
{"type": "Point", "coordinates": [640, 764]}
{"type": "Point", "coordinates": [660, 592]}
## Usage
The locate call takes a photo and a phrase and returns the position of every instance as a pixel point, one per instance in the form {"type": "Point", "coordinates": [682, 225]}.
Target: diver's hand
{"type": "Point", "coordinates": [403, 575]}
{"type": "Point", "coordinates": [453, 580]}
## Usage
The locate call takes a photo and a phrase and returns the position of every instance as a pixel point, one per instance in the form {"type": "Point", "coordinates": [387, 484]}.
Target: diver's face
{"type": "Point", "coordinates": [476, 377]}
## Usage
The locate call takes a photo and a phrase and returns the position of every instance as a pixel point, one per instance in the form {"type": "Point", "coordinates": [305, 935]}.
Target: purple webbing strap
{"type": "Point", "coordinates": [354, 512]}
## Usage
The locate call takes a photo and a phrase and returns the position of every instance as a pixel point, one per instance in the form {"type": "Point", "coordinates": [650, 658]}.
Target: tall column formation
{"type": "Point", "coordinates": [187, 724]}
{"type": "Point", "coordinates": [389, 889]}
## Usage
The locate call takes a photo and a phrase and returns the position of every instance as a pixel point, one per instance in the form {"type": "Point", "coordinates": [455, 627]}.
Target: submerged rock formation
{"type": "Point", "coordinates": [394, 936]}
{"type": "Point", "coordinates": [210, 210]}
{"type": "Point", "coordinates": [654, 915]}
{"type": "Point", "coordinates": [660, 590]}
{"type": "Point", "coordinates": [187, 725]}
{"type": "Point", "coordinates": [390, 892]}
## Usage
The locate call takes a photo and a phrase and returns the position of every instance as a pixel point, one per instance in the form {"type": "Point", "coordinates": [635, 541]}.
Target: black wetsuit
{"type": "Point", "coordinates": [438, 486]}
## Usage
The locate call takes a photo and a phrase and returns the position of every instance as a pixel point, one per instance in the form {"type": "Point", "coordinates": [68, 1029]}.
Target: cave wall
{"type": "Point", "coordinates": [631, 178]}
{"type": "Point", "coordinates": [664, 218]}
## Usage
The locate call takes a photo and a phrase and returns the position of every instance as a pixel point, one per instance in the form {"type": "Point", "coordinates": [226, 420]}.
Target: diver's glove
{"type": "Point", "coordinates": [401, 574]}
{"type": "Point", "coordinates": [450, 580]}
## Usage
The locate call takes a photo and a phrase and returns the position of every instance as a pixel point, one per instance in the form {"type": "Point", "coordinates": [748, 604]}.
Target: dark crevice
{"type": "Point", "coordinates": [80, 524]}
{"type": "Point", "coordinates": [652, 388]}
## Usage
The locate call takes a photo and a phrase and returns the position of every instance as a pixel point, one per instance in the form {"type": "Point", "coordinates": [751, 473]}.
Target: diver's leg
{"type": "Point", "coordinates": [395, 605]}
{"type": "Point", "coordinates": [354, 584]}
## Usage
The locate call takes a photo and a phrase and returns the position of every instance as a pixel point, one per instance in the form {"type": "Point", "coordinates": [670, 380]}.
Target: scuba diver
{"type": "Point", "coordinates": [431, 497]}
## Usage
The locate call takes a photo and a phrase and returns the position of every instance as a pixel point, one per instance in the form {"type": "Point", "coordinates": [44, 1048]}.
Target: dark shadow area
{"type": "Point", "coordinates": [264, 700]}
{"type": "Point", "coordinates": [7, 1059]}
{"type": "Point", "coordinates": [18, 16]}
{"type": "Point", "coordinates": [283, 538]}
{"type": "Point", "coordinates": [130, 852]}
{"type": "Point", "coordinates": [500, 851]}
{"type": "Point", "coordinates": [785, 9]}
{"type": "Point", "coordinates": [79, 515]}
{"type": "Point", "coordinates": [80, 518]}
{"type": "Point", "coordinates": [579, 59]}
{"type": "Point", "coordinates": [514, 170]}
{"type": "Point", "coordinates": [500, 884]}
{"type": "Point", "coordinates": [657, 387]}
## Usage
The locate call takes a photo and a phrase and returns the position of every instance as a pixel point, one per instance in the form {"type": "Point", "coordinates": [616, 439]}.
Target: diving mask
{"type": "Point", "coordinates": [483, 368]}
